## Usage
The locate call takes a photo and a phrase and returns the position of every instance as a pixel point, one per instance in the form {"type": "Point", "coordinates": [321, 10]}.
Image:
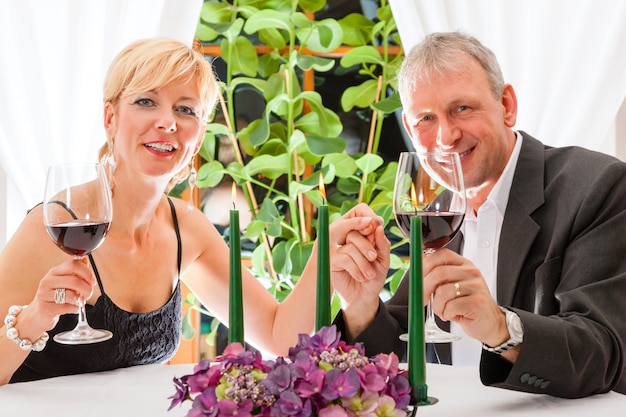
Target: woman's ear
{"type": "Point", "coordinates": [109, 120]}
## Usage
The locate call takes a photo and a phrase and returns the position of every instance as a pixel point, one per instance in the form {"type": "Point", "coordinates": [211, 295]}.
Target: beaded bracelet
{"type": "Point", "coordinates": [14, 335]}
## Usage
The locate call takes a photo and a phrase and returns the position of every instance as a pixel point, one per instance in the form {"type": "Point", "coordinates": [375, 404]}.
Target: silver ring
{"type": "Point", "coordinates": [457, 289]}
{"type": "Point", "coordinates": [59, 296]}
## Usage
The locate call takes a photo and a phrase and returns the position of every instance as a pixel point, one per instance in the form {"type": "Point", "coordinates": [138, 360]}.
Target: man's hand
{"type": "Point", "coordinates": [359, 263]}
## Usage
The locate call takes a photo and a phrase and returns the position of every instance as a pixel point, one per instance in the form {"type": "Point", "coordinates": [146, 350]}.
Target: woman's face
{"type": "Point", "coordinates": [157, 132]}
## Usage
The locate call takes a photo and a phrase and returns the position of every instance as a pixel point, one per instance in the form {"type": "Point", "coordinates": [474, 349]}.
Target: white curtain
{"type": "Point", "coordinates": [54, 55]}
{"type": "Point", "coordinates": [566, 59]}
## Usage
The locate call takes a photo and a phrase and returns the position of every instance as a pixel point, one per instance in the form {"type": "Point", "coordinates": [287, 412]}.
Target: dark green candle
{"type": "Point", "coordinates": [416, 348]}
{"type": "Point", "coordinates": [322, 311]}
{"type": "Point", "coordinates": [235, 318]}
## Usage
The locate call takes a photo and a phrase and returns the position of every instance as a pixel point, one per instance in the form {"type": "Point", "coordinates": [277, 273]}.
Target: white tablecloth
{"type": "Point", "coordinates": [144, 391]}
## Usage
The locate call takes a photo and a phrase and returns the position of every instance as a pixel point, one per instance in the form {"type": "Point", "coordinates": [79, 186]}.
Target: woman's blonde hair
{"type": "Point", "coordinates": [150, 64]}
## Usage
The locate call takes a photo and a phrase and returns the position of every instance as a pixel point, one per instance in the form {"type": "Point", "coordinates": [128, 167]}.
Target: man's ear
{"type": "Point", "coordinates": [509, 104]}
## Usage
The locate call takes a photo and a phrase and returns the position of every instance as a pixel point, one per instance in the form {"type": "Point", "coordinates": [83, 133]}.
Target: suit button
{"type": "Point", "coordinates": [524, 378]}
{"type": "Point", "coordinates": [545, 384]}
{"type": "Point", "coordinates": [538, 382]}
{"type": "Point", "coordinates": [531, 380]}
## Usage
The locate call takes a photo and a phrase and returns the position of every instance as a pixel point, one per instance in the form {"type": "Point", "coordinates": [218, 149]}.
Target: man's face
{"type": "Point", "coordinates": [457, 112]}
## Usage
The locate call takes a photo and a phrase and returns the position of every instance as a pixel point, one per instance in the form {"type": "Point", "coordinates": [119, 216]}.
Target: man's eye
{"type": "Point", "coordinates": [461, 108]}
{"type": "Point", "coordinates": [426, 119]}
{"type": "Point", "coordinates": [187, 110]}
{"type": "Point", "coordinates": [144, 102]}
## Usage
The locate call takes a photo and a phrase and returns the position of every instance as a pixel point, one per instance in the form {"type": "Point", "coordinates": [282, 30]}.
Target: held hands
{"type": "Point", "coordinates": [461, 295]}
{"type": "Point", "coordinates": [359, 252]}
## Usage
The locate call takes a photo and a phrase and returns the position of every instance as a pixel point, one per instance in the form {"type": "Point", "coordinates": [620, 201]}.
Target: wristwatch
{"type": "Point", "coordinates": [516, 333]}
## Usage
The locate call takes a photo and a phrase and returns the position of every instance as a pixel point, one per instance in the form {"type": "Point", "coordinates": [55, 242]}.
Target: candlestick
{"type": "Point", "coordinates": [416, 349]}
{"type": "Point", "coordinates": [235, 318]}
{"type": "Point", "coordinates": [322, 311]}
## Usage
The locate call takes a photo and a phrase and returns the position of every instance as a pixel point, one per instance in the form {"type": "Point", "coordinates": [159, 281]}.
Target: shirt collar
{"type": "Point", "coordinates": [500, 192]}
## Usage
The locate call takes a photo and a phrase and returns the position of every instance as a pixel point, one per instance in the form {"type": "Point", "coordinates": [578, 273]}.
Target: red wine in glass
{"type": "Point", "coordinates": [430, 185]}
{"type": "Point", "coordinates": [78, 237]}
{"type": "Point", "coordinates": [438, 227]}
{"type": "Point", "coordinates": [77, 213]}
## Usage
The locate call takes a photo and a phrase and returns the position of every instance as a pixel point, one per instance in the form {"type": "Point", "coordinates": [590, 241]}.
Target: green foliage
{"type": "Point", "coordinates": [296, 130]}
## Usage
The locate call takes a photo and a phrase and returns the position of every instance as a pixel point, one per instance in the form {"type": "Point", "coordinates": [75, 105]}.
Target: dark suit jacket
{"type": "Point", "coordinates": [561, 267]}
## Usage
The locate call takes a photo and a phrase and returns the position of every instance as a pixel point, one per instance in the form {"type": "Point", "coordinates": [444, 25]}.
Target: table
{"type": "Point", "coordinates": [144, 391]}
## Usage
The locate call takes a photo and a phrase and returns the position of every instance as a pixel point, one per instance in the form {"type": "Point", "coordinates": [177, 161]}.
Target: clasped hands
{"type": "Point", "coordinates": [359, 265]}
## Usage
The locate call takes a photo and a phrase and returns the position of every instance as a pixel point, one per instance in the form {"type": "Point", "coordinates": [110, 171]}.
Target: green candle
{"type": "Point", "coordinates": [322, 311]}
{"type": "Point", "coordinates": [235, 318]}
{"type": "Point", "coordinates": [416, 349]}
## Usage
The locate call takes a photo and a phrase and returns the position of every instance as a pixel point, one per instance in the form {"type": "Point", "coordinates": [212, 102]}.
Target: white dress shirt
{"type": "Point", "coordinates": [481, 237]}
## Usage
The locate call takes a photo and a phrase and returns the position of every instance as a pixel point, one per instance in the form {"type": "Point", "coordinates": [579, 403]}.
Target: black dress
{"type": "Point", "coordinates": [138, 338]}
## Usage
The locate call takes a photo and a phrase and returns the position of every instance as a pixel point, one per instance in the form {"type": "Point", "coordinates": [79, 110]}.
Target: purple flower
{"type": "Point", "coordinates": [203, 377]}
{"type": "Point", "coordinates": [182, 393]}
{"type": "Point", "coordinates": [204, 405]}
{"type": "Point", "coordinates": [340, 384]}
{"type": "Point", "coordinates": [322, 376]}
{"type": "Point", "coordinates": [326, 338]}
{"type": "Point", "coordinates": [371, 379]}
{"type": "Point", "coordinates": [279, 379]}
{"type": "Point", "coordinates": [290, 404]}
{"type": "Point", "coordinates": [230, 408]}
{"type": "Point", "coordinates": [399, 389]}
{"type": "Point", "coordinates": [312, 385]}
{"type": "Point", "coordinates": [333, 411]}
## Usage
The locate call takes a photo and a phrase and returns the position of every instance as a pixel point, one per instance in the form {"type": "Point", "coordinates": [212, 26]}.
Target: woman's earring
{"type": "Point", "coordinates": [193, 174]}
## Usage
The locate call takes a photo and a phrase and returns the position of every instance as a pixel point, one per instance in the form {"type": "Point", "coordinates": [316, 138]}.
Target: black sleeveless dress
{"type": "Point", "coordinates": [138, 339]}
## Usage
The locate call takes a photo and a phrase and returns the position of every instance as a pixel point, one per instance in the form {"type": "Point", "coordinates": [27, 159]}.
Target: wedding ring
{"type": "Point", "coordinates": [59, 296]}
{"type": "Point", "coordinates": [457, 289]}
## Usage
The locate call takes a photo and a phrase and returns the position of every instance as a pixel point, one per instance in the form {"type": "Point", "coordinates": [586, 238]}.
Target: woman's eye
{"type": "Point", "coordinates": [187, 111]}
{"type": "Point", "coordinates": [144, 102]}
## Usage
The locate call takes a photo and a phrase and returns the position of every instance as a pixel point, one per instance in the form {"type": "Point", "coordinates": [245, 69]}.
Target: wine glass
{"type": "Point", "coordinates": [77, 214]}
{"type": "Point", "coordinates": [430, 185]}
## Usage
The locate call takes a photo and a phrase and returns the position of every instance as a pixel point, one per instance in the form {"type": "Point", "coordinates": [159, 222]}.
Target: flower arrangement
{"type": "Point", "coordinates": [322, 376]}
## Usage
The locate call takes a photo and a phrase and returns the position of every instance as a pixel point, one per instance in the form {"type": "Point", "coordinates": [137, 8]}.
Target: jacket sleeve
{"type": "Point", "coordinates": [383, 333]}
{"type": "Point", "coordinates": [571, 296]}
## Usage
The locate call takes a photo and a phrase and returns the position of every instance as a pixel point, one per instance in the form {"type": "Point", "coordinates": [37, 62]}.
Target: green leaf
{"type": "Point", "coordinates": [348, 186]}
{"type": "Point", "coordinates": [388, 105]}
{"type": "Point", "coordinates": [188, 330]}
{"type": "Point", "coordinates": [362, 55]}
{"type": "Point", "coordinates": [243, 59]}
{"type": "Point", "coordinates": [369, 163]}
{"type": "Point", "coordinates": [324, 145]}
{"type": "Point", "coordinates": [205, 34]}
{"type": "Point", "coordinates": [356, 29]}
{"type": "Point", "coordinates": [273, 38]}
{"type": "Point", "coordinates": [266, 19]}
{"type": "Point", "coordinates": [320, 122]}
{"type": "Point", "coordinates": [312, 5]}
{"type": "Point", "coordinates": [271, 167]}
{"type": "Point", "coordinates": [254, 229]}
{"type": "Point", "coordinates": [325, 36]}
{"type": "Point", "coordinates": [299, 256]}
{"type": "Point", "coordinates": [210, 174]}
{"type": "Point", "coordinates": [259, 132]}
{"type": "Point", "coordinates": [318, 63]}
{"type": "Point", "coordinates": [215, 12]}
{"type": "Point", "coordinates": [344, 164]}
{"type": "Point", "coordinates": [361, 95]}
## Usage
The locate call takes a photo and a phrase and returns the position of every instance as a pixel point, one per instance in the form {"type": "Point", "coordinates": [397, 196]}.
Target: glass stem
{"type": "Point", "coordinates": [430, 316]}
{"type": "Point", "coordinates": [82, 315]}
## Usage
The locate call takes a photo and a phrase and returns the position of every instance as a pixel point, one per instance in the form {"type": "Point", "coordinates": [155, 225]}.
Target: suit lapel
{"type": "Point", "coordinates": [519, 229]}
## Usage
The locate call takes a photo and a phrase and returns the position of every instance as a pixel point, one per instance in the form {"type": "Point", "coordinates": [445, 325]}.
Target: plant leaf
{"type": "Point", "coordinates": [360, 95]}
